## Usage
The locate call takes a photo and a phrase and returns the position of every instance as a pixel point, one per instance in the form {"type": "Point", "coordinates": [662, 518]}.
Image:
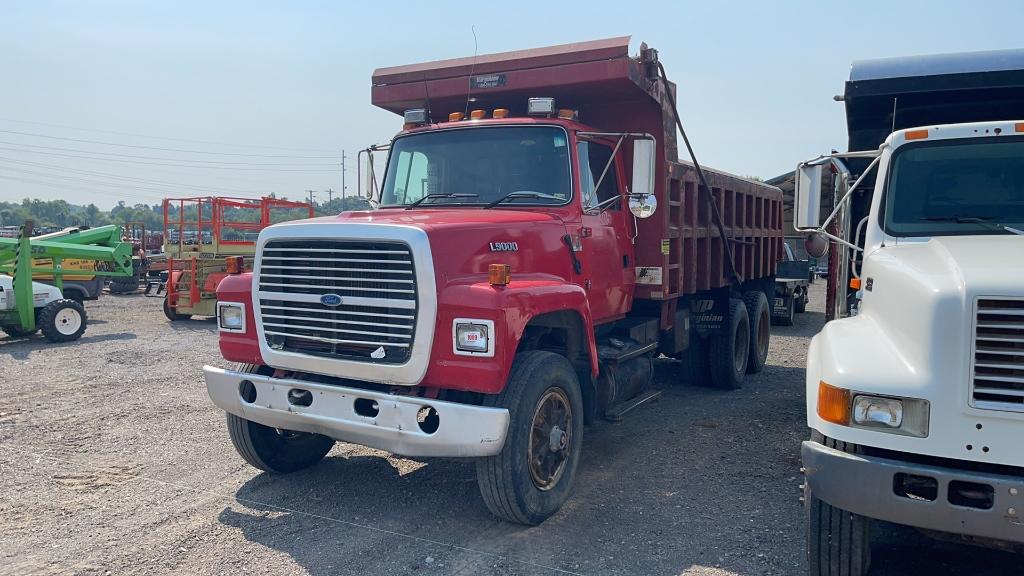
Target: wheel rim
{"type": "Point", "coordinates": [740, 347]}
{"type": "Point", "coordinates": [550, 439]}
{"type": "Point", "coordinates": [67, 321]}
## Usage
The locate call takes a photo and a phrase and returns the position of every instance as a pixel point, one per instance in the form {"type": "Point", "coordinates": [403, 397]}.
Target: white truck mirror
{"type": "Point", "coordinates": [643, 167]}
{"type": "Point", "coordinates": [807, 200]}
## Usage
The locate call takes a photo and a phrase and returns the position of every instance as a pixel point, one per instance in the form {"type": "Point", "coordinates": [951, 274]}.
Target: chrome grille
{"type": "Point", "coordinates": [376, 281]}
{"type": "Point", "coordinates": [998, 379]}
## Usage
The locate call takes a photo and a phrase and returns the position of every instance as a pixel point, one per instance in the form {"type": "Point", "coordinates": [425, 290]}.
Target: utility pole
{"type": "Point", "coordinates": [330, 195]}
{"type": "Point", "coordinates": [343, 178]}
{"type": "Point", "coordinates": [311, 194]}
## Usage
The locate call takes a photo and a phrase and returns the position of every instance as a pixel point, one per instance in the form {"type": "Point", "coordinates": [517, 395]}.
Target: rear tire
{"type": "Point", "coordinates": [533, 475]}
{"type": "Point", "coordinates": [124, 285]}
{"type": "Point", "coordinates": [274, 450]}
{"type": "Point", "coordinates": [62, 320]}
{"type": "Point", "coordinates": [172, 314]}
{"type": "Point", "coordinates": [728, 351]}
{"type": "Point", "coordinates": [760, 330]}
{"type": "Point", "coordinates": [838, 542]}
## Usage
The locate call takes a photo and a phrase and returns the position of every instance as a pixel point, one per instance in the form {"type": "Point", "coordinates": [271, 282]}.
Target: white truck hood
{"type": "Point", "coordinates": [914, 337]}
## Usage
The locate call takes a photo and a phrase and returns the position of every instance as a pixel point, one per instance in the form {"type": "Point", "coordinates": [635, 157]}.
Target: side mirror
{"type": "Point", "coordinates": [816, 245]}
{"type": "Point", "coordinates": [642, 202]}
{"type": "Point", "coordinates": [807, 201]}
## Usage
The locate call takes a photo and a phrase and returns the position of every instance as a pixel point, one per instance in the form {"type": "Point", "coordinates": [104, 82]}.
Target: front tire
{"type": "Point", "coordinates": [533, 475]}
{"type": "Point", "coordinates": [838, 542]}
{"type": "Point", "coordinates": [728, 351]}
{"type": "Point", "coordinates": [275, 450]}
{"type": "Point", "coordinates": [62, 320]}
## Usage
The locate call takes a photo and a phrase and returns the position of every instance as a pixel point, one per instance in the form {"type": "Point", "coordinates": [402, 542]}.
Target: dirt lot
{"type": "Point", "coordinates": [113, 461]}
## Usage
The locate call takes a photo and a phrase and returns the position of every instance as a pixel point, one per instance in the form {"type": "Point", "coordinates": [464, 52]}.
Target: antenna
{"type": "Point", "coordinates": [472, 69]}
{"type": "Point", "coordinates": [426, 91]}
{"type": "Point", "coordinates": [895, 99]}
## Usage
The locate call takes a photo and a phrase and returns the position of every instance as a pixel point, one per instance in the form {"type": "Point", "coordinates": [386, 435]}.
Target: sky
{"type": "Point", "coordinates": [102, 101]}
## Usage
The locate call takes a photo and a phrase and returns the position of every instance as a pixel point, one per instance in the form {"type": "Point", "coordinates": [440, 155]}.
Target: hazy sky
{"type": "Point", "coordinates": [261, 84]}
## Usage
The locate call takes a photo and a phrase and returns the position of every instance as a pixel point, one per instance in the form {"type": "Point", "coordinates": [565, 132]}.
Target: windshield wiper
{"type": "Point", "coordinates": [983, 221]}
{"type": "Point", "coordinates": [521, 194]}
{"type": "Point", "coordinates": [440, 195]}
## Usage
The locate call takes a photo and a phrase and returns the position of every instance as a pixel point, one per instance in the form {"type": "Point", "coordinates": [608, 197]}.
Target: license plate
{"type": "Point", "coordinates": [780, 302]}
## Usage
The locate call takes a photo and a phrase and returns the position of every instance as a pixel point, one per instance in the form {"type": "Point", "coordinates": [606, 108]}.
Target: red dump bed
{"type": "Point", "coordinates": [613, 92]}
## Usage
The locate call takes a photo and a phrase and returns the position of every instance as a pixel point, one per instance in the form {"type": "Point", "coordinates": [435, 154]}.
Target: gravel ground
{"type": "Point", "coordinates": [113, 461]}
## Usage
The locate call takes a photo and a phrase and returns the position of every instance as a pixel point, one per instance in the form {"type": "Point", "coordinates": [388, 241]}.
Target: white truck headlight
{"type": "Point", "coordinates": [231, 316]}
{"type": "Point", "coordinates": [869, 410]}
{"type": "Point", "coordinates": [906, 416]}
{"type": "Point", "coordinates": [473, 337]}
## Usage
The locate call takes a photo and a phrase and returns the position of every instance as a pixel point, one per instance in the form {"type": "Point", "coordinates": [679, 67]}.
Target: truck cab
{"type": "Point", "coordinates": [514, 281]}
{"type": "Point", "coordinates": [915, 392]}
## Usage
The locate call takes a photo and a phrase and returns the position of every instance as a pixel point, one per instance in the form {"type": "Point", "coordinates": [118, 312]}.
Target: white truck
{"type": "Point", "coordinates": [915, 390]}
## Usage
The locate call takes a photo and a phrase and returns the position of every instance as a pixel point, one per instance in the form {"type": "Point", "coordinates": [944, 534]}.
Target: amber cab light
{"type": "Point", "coordinates": [567, 114]}
{"type": "Point", "coordinates": [455, 116]}
{"type": "Point", "coordinates": [477, 114]}
{"type": "Point", "coordinates": [917, 134]}
{"type": "Point", "coordinates": [500, 113]}
{"type": "Point", "coordinates": [234, 264]}
{"type": "Point", "coordinates": [1018, 127]}
{"type": "Point", "coordinates": [499, 274]}
{"type": "Point", "coordinates": [833, 404]}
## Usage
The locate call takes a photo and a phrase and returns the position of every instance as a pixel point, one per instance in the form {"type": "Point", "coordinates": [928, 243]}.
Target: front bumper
{"type": "Point", "coordinates": [865, 485]}
{"type": "Point", "coordinates": [463, 430]}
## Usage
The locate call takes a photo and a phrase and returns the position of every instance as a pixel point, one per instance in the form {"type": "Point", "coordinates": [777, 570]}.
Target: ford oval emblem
{"type": "Point", "coordinates": [331, 300]}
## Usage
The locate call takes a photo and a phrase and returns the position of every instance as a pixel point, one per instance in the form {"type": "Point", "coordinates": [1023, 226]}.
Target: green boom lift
{"type": "Point", "coordinates": [26, 306]}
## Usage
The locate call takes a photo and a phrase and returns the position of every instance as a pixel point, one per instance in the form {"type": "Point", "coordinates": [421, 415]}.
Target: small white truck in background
{"type": "Point", "coordinates": [915, 388]}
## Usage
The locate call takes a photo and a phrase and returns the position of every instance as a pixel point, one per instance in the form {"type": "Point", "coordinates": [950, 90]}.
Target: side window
{"type": "Point", "coordinates": [411, 177]}
{"type": "Point", "coordinates": [593, 159]}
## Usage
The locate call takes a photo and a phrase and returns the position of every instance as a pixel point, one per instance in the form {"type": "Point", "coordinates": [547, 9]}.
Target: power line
{"type": "Point", "coordinates": [62, 187]}
{"type": "Point", "coordinates": [197, 187]}
{"type": "Point", "coordinates": [165, 138]}
{"type": "Point", "coordinates": [162, 157]}
{"type": "Point", "coordinates": [120, 185]}
{"type": "Point", "coordinates": [165, 164]}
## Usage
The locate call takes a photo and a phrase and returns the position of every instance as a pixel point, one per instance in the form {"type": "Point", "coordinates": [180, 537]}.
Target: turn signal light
{"type": "Point", "coordinates": [499, 274]}
{"type": "Point", "coordinates": [234, 264]}
{"type": "Point", "coordinates": [917, 134]}
{"type": "Point", "coordinates": [1018, 127]}
{"type": "Point", "coordinates": [833, 404]}
{"type": "Point", "coordinates": [500, 113]}
{"type": "Point", "coordinates": [855, 283]}
{"type": "Point", "coordinates": [455, 116]}
{"type": "Point", "coordinates": [477, 114]}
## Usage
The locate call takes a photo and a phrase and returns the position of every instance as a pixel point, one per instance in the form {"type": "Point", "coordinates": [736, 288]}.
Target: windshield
{"type": "Point", "coordinates": [971, 186]}
{"type": "Point", "coordinates": [479, 166]}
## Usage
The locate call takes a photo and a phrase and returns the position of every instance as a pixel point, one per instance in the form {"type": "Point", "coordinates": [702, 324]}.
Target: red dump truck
{"type": "Point", "coordinates": [535, 243]}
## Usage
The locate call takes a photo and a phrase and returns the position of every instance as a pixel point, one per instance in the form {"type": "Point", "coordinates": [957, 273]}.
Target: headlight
{"type": "Point", "coordinates": [906, 416]}
{"type": "Point", "coordinates": [869, 410]}
{"type": "Point", "coordinates": [231, 316]}
{"type": "Point", "coordinates": [473, 337]}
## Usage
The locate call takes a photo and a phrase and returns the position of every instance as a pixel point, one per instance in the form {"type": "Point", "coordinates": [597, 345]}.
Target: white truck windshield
{"type": "Point", "coordinates": [969, 186]}
{"type": "Point", "coordinates": [477, 166]}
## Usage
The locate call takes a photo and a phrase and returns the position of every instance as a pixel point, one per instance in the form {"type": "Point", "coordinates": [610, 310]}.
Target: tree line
{"type": "Point", "coordinates": [61, 214]}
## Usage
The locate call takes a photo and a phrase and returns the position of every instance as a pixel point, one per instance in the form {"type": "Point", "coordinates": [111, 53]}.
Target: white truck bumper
{"type": "Point", "coordinates": [462, 430]}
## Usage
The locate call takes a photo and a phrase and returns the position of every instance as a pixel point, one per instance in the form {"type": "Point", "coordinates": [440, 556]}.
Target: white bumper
{"type": "Point", "coordinates": [463, 430]}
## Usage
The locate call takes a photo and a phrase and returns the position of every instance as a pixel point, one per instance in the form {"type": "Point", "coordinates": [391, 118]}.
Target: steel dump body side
{"type": "Point", "coordinates": [614, 92]}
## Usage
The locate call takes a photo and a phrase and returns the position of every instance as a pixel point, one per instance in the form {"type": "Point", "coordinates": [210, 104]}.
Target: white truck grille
{"type": "Point", "coordinates": [342, 299]}
{"type": "Point", "coordinates": [998, 379]}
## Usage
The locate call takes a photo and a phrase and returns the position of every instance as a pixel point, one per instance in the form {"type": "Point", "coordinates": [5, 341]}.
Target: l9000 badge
{"type": "Point", "coordinates": [504, 247]}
